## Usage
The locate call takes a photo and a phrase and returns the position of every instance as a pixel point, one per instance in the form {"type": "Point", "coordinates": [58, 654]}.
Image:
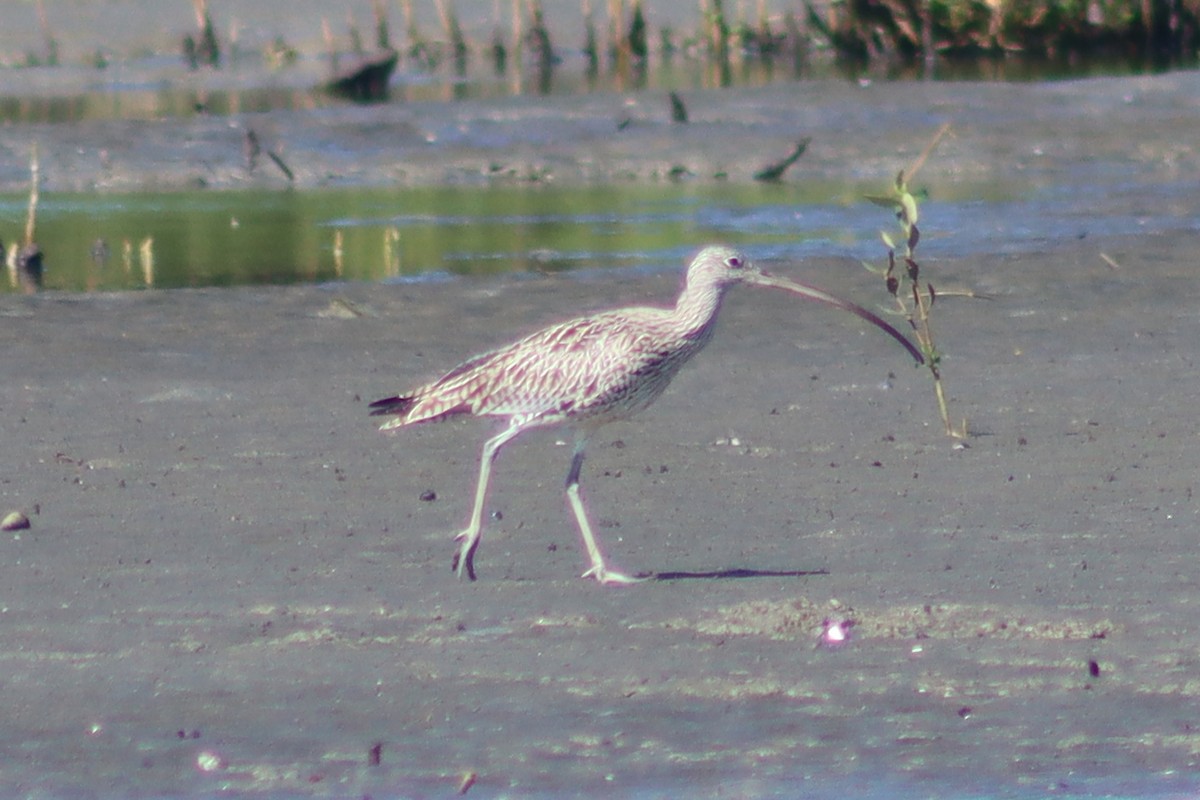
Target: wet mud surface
{"type": "Point", "coordinates": [233, 586]}
{"type": "Point", "coordinates": [1117, 130]}
{"type": "Point", "coordinates": [227, 562]}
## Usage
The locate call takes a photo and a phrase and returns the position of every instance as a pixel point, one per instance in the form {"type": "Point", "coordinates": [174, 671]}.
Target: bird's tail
{"type": "Point", "coordinates": [389, 406]}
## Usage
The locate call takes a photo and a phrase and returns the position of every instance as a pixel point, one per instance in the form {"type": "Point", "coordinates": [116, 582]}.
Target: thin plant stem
{"type": "Point", "coordinates": [34, 185]}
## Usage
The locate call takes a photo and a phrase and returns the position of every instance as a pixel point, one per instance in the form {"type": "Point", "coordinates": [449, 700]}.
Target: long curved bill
{"type": "Point", "coordinates": [813, 293]}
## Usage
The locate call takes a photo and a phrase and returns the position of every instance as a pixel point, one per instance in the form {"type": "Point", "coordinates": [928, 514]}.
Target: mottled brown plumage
{"type": "Point", "coordinates": [585, 373]}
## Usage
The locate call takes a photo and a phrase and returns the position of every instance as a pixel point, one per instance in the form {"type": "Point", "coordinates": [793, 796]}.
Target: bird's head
{"type": "Point", "coordinates": [721, 266]}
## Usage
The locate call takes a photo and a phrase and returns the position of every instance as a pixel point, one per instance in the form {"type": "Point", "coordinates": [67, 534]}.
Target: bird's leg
{"type": "Point", "coordinates": [464, 558]}
{"type": "Point", "coordinates": [598, 571]}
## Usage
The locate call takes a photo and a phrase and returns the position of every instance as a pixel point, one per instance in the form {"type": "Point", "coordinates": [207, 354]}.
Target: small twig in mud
{"type": "Point", "coordinates": [26, 259]}
{"type": "Point", "coordinates": [330, 45]}
{"type": "Point", "coordinates": [34, 186]}
{"type": "Point", "coordinates": [774, 172]}
{"type": "Point", "coordinates": [538, 37]}
{"type": "Point", "coordinates": [419, 49]}
{"type": "Point", "coordinates": [915, 167]}
{"type": "Point", "coordinates": [616, 44]}
{"type": "Point", "coordinates": [49, 43]}
{"type": "Point", "coordinates": [391, 250]}
{"type": "Point", "coordinates": [250, 149]}
{"type": "Point", "coordinates": [339, 252]}
{"type": "Point", "coordinates": [205, 50]}
{"type": "Point", "coordinates": [454, 33]}
{"type": "Point", "coordinates": [638, 48]}
{"type": "Point", "coordinates": [591, 40]}
{"type": "Point", "coordinates": [382, 39]}
{"type": "Point", "coordinates": [970, 293]}
{"type": "Point", "coordinates": [146, 259]}
{"type": "Point", "coordinates": [678, 109]}
{"type": "Point", "coordinates": [356, 42]}
{"type": "Point", "coordinates": [466, 781]}
{"type": "Point", "coordinates": [277, 160]}
{"type": "Point", "coordinates": [717, 30]}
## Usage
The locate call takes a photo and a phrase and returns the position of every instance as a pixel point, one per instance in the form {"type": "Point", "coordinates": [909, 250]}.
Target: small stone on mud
{"type": "Point", "coordinates": [14, 521]}
{"type": "Point", "coordinates": [341, 308]}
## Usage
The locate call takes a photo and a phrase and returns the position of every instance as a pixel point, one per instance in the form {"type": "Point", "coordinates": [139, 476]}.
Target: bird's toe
{"type": "Point", "coordinates": [607, 577]}
{"type": "Point", "coordinates": [464, 559]}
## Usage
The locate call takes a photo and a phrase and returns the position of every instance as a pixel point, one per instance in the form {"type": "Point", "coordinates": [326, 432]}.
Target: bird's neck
{"type": "Point", "coordinates": [696, 310]}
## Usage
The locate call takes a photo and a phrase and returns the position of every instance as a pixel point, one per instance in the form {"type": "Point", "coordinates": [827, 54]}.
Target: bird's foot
{"type": "Point", "coordinates": [464, 557]}
{"type": "Point", "coordinates": [606, 577]}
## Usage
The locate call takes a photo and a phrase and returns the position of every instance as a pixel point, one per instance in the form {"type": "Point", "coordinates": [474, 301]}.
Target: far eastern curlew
{"type": "Point", "coordinates": [585, 373]}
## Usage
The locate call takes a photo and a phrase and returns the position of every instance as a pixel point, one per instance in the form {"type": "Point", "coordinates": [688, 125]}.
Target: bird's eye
{"type": "Point", "coordinates": [733, 262]}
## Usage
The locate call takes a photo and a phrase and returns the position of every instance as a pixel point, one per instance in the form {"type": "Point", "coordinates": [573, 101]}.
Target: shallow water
{"type": "Point", "coordinates": [245, 238]}
{"type": "Point", "coordinates": [98, 242]}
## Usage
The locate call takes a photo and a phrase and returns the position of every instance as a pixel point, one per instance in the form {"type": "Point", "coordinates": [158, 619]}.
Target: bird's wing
{"type": "Point", "coordinates": [553, 371]}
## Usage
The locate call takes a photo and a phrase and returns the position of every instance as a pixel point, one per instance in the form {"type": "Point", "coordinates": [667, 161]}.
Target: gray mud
{"type": "Point", "coordinates": [1046, 134]}
{"type": "Point", "coordinates": [227, 561]}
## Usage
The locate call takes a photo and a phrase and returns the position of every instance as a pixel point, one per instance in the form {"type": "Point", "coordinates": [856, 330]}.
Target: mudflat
{"type": "Point", "coordinates": [233, 585]}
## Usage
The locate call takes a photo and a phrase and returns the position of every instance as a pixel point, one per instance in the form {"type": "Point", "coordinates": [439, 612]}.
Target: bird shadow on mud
{"type": "Point", "coordinates": [736, 573]}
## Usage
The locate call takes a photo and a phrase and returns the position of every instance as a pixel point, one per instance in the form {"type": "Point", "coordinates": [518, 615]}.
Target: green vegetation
{"type": "Point", "coordinates": [1151, 31]}
{"type": "Point", "coordinates": [913, 295]}
{"type": "Point", "coordinates": [896, 34]}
